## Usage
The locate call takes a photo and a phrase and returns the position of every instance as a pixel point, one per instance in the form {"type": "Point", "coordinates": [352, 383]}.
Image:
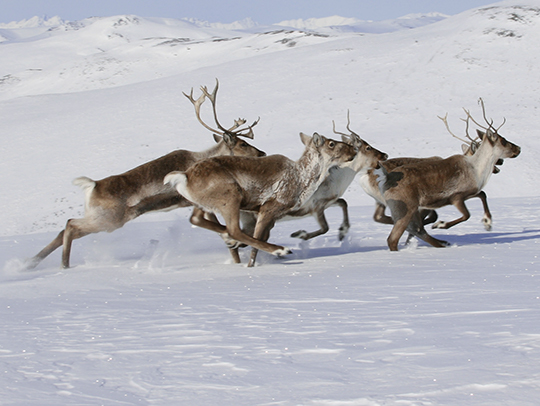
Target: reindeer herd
{"type": "Point", "coordinates": [252, 191]}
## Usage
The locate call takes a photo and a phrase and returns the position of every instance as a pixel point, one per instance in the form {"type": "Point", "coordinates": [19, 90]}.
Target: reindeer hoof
{"type": "Point", "coordinates": [343, 230]}
{"type": "Point", "coordinates": [487, 223]}
{"type": "Point", "coordinates": [439, 224]}
{"type": "Point", "coordinates": [229, 242]}
{"type": "Point", "coordinates": [300, 234]}
{"type": "Point", "coordinates": [282, 252]}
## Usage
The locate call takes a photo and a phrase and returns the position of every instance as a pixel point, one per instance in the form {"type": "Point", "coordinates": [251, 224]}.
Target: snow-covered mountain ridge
{"type": "Point", "coordinates": [155, 313]}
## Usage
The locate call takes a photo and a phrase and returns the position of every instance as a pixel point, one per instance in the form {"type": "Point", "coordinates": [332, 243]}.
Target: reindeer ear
{"type": "Point", "coordinates": [305, 138]}
{"type": "Point", "coordinates": [318, 140]}
{"type": "Point", "coordinates": [481, 134]}
{"type": "Point", "coordinates": [217, 138]}
{"type": "Point", "coordinates": [464, 148]}
{"type": "Point", "coordinates": [492, 136]}
{"type": "Point", "coordinates": [346, 139]}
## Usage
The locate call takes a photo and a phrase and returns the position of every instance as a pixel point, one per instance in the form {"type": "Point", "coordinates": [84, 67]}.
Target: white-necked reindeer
{"type": "Point", "coordinates": [336, 183]}
{"type": "Point", "coordinates": [271, 186]}
{"type": "Point", "coordinates": [113, 201]}
{"type": "Point", "coordinates": [327, 194]}
{"type": "Point", "coordinates": [369, 182]}
{"type": "Point", "coordinates": [437, 183]}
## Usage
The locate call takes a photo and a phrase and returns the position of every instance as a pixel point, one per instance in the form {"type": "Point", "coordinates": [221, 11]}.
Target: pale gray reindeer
{"type": "Point", "coordinates": [436, 183]}
{"type": "Point", "coordinates": [271, 186]}
{"type": "Point", "coordinates": [113, 201]}
{"type": "Point", "coordinates": [336, 183]}
{"type": "Point", "coordinates": [327, 194]}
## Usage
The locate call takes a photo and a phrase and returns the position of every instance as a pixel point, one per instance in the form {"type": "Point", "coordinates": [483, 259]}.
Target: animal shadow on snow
{"type": "Point", "coordinates": [492, 238]}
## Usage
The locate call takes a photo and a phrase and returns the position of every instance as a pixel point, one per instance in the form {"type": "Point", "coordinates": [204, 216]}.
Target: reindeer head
{"type": "Point", "coordinates": [332, 152]}
{"type": "Point", "coordinates": [505, 149]}
{"type": "Point", "coordinates": [366, 156]}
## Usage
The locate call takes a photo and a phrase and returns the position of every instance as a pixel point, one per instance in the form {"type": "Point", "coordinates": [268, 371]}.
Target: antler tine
{"type": "Point", "coordinates": [503, 123]}
{"type": "Point", "coordinates": [249, 134]}
{"type": "Point", "coordinates": [349, 126]}
{"type": "Point", "coordinates": [337, 132]}
{"type": "Point", "coordinates": [212, 97]}
{"type": "Point", "coordinates": [445, 121]}
{"type": "Point", "coordinates": [473, 120]}
{"type": "Point", "coordinates": [197, 104]}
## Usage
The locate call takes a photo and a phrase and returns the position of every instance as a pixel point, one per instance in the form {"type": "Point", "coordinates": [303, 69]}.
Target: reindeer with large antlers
{"type": "Point", "coordinates": [112, 202]}
{"type": "Point", "coordinates": [369, 182]}
{"type": "Point", "coordinates": [271, 186]}
{"type": "Point", "coordinates": [441, 182]}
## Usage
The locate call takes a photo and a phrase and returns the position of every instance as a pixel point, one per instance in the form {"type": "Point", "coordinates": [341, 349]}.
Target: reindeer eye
{"type": "Point", "coordinates": [331, 144]}
{"type": "Point", "coordinates": [244, 144]}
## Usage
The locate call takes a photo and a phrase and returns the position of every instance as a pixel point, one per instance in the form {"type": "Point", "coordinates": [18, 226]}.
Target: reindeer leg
{"type": "Point", "coordinates": [321, 219]}
{"type": "Point", "coordinates": [416, 228]}
{"type": "Point", "coordinates": [232, 220]}
{"type": "Point", "coordinates": [460, 205]}
{"type": "Point", "coordinates": [74, 230]}
{"type": "Point", "coordinates": [486, 219]}
{"type": "Point", "coordinates": [401, 215]}
{"type": "Point", "coordinates": [345, 224]}
{"type": "Point", "coordinates": [262, 232]}
{"type": "Point", "coordinates": [41, 255]}
{"type": "Point", "coordinates": [379, 215]}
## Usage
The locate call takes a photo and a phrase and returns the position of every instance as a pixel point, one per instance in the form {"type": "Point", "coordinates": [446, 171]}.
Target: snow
{"type": "Point", "coordinates": [156, 314]}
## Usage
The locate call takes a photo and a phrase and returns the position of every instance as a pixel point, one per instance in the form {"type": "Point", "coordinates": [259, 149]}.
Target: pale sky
{"type": "Point", "coordinates": [227, 11]}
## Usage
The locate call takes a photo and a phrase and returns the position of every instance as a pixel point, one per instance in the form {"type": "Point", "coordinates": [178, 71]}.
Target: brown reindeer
{"type": "Point", "coordinates": [271, 186]}
{"type": "Point", "coordinates": [437, 183]}
{"type": "Point", "coordinates": [112, 202]}
{"type": "Point", "coordinates": [369, 182]}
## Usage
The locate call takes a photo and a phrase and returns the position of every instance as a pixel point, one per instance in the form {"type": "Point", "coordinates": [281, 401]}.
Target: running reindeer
{"type": "Point", "coordinates": [336, 183]}
{"type": "Point", "coordinates": [327, 194]}
{"type": "Point", "coordinates": [112, 202]}
{"type": "Point", "coordinates": [440, 182]}
{"type": "Point", "coordinates": [369, 182]}
{"type": "Point", "coordinates": [271, 186]}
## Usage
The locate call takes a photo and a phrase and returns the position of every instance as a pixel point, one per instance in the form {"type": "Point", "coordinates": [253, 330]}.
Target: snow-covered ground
{"type": "Point", "coordinates": [155, 313]}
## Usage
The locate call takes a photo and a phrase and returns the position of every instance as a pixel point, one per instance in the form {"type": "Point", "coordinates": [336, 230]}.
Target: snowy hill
{"type": "Point", "coordinates": [154, 313]}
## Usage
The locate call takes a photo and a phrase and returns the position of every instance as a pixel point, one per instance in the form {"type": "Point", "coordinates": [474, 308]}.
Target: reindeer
{"type": "Point", "coordinates": [436, 183]}
{"type": "Point", "coordinates": [271, 186]}
{"type": "Point", "coordinates": [369, 183]}
{"type": "Point", "coordinates": [327, 194]}
{"type": "Point", "coordinates": [336, 183]}
{"type": "Point", "coordinates": [113, 201]}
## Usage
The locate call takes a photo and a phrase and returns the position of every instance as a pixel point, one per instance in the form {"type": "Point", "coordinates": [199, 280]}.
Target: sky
{"type": "Point", "coordinates": [227, 11]}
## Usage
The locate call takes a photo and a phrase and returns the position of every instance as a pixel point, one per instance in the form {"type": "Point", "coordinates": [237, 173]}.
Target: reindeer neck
{"type": "Point", "coordinates": [311, 170]}
{"type": "Point", "coordinates": [483, 161]}
{"type": "Point", "coordinates": [218, 149]}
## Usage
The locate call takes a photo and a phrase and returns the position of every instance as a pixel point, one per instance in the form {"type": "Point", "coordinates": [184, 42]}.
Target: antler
{"type": "Point", "coordinates": [244, 132]}
{"type": "Point", "coordinates": [355, 137]}
{"type": "Point", "coordinates": [489, 123]}
{"type": "Point", "coordinates": [445, 121]}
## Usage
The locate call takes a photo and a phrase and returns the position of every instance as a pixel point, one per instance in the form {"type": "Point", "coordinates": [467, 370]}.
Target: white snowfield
{"type": "Point", "coordinates": [156, 314]}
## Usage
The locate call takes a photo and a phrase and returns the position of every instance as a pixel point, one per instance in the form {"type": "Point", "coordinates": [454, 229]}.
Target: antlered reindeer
{"type": "Point", "coordinates": [271, 186]}
{"type": "Point", "coordinates": [327, 194]}
{"type": "Point", "coordinates": [369, 182]}
{"type": "Point", "coordinates": [336, 183]}
{"type": "Point", "coordinates": [437, 183]}
{"type": "Point", "coordinates": [112, 202]}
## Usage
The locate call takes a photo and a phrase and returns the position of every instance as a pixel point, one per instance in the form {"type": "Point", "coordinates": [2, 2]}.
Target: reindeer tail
{"type": "Point", "coordinates": [179, 181]}
{"type": "Point", "coordinates": [84, 182]}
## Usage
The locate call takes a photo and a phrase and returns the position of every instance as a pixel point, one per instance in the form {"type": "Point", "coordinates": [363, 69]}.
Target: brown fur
{"type": "Point", "coordinates": [113, 201]}
{"type": "Point", "coordinates": [271, 186]}
{"type": "Point", "coordinates": [437, 183]}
